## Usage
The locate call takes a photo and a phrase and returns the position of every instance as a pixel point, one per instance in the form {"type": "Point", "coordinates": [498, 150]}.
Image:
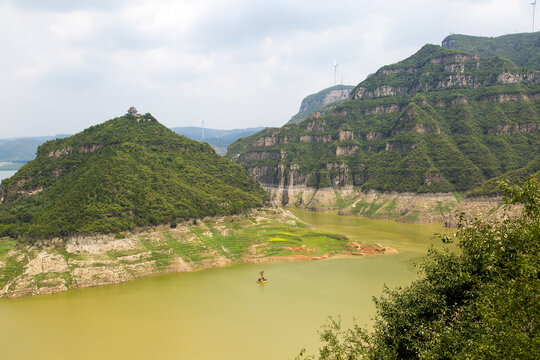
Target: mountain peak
{"type": "Point", "coordinates": [435, 68]}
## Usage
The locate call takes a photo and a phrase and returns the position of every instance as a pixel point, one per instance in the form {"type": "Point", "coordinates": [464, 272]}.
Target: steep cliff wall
{"type": "Point", "coordinates": [320, 100]}
{"type": "Point", "coordinates": [441, 121]}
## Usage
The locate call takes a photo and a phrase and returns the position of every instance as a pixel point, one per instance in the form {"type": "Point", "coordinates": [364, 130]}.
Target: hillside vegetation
{"type": "Point", "coordinates": [523, 49]}
{"type": "Point", "coordinates": [440, 121]}
{"type": "Point", "coordinates": [125, 173]}
{"type": "Point", "coordinates": [480, 302]}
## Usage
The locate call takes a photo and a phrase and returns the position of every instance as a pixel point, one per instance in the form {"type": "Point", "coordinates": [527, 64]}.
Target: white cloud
{"type": "Point", "coordinates": [68, 64]}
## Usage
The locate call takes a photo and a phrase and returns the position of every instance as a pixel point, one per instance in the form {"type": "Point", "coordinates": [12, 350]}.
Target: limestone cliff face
{"type": "Point", "coordinates": [329, 97]}
{"type": "Point", "coordinates": [453, 70]}
{"type": "Point", "coordinates": [438, 122]}
{"type": "Point", "coordinates": [321, 100]}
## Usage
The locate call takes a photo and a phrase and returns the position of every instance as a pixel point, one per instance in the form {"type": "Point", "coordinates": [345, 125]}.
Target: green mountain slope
{"type": "Point", "coordinates": [127, 172]}
{"type": "Point", "coordinates": [517, 177]}
{"type": "Point", "coordinates": [321, 100]}
{"type": "Point", "coordinates": [442, 120]}
{"type": "Point", "coordinates": [523, 49]}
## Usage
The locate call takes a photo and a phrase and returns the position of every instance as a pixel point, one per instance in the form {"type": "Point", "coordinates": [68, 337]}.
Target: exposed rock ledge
{"type": "Point", "coordinates": [57, 265]}
{"type": "Point", "coordinates": [403, 207]}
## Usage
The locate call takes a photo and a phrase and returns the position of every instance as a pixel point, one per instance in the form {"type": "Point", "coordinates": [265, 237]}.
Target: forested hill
{"type": "Point", "coordinates": [127, 172]}
{"type": "Point", "coordinates": [442, 120]}
{"type": "Point", "coordinates": [523, 49]}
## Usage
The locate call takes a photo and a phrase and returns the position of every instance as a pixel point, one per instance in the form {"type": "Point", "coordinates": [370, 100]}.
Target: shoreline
{"type": "Point", "coordinates": [406, 207]}
{"type": "Point", "coordinates": [262, 236]}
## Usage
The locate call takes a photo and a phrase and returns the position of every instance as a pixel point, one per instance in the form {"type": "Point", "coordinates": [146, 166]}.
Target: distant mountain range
{"type": "Point", "coordinates": [218, 139]}
{"type": "Point", "coordinates": [23, 149]}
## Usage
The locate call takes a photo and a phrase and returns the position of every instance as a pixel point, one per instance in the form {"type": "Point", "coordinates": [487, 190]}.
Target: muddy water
{"type": "Point", "coordinates": [217, 313]}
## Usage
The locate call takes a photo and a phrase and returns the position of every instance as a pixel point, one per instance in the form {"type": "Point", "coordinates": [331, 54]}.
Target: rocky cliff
{"type": "Point", "coordinates": [319, 101]}
{"type": "Point", "coordinates": [440, 121]}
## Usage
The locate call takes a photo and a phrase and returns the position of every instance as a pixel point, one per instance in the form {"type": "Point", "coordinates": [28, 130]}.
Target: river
{"type": "Point", "coordinates": [217, 313]}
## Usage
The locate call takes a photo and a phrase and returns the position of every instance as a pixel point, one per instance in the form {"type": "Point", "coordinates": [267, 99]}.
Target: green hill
{"type": "Point", "coordinates": [128, 172]}
{"type": "Point", "coordinates": [523, 49]}
{"type": "Point", "coordinates": [321, 101]}
{"type": "Point", "coordinates": [517, 177]}
{"type": "Point", "coordinates": [442, 120]}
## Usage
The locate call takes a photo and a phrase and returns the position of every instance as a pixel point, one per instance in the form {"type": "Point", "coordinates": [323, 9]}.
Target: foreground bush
{"type": "Point", "coordinates": [481, 302]}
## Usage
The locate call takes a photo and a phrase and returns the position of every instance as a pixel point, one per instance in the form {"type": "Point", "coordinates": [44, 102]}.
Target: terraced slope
{"type": "Point", "coordinates": [440, 121]}
{"type": "Point", "coordinates": [128, 172]}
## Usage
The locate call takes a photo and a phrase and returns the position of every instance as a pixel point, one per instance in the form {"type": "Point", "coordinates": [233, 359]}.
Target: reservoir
{"type": "Point", "coordinates": [218, 313]}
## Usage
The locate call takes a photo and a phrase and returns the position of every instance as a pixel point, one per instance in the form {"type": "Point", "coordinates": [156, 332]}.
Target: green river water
{"type": "Point", "coordinates": [217, 313]}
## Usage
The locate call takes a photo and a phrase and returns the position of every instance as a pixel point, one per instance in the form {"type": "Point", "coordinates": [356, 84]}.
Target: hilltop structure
{"type": "Point", "coordinates": [125, 173]}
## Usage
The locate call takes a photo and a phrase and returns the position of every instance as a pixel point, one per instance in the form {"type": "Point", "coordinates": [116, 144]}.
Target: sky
{"type": "Point", "coordinates": [66, 65]}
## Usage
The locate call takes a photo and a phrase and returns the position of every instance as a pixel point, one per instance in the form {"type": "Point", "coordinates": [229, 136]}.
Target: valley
{"type": "Point", "coordinates": [408, 202]}
{"type": "Point", "coordinates": [219, 312]}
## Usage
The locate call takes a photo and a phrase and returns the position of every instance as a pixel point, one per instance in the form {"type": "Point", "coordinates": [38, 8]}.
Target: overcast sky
{"type": "Point", "coordinates": [67, 64]}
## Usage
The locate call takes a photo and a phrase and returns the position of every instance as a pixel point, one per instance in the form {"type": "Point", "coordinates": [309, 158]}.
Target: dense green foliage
{"type": "Point", "coordinates": [315, 102]}
{"type": "Point", "coordinates": [22, 150]}
{"type": "Point", "coordinates": [523, 49]}
{"type": "Point", "coordinates": [481, 302]}
{"type": "Point", "coordinates": [429, 138]}
{"type": "Point", "coordinates": [434, 67]}
{"type": "Point", "coordinates": [127, 172]}
{"type": "Point", "coordinates": [519, 176]}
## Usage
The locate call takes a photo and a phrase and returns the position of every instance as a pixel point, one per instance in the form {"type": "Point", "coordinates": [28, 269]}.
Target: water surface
{"type": "Point", "coordinates": [216, 313]}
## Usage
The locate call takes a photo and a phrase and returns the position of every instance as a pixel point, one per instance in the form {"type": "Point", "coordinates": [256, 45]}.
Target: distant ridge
{"type": "Point", "coordinates": [218, 139]}
{"type": "Point", "coordinates": [523, 49]}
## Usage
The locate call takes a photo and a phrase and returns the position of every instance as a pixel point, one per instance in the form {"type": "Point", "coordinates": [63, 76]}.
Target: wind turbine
{"type": "Point", "coordinates": [335, 70]}
{"type": "Point", "coordinates": [534, 11]}
{"type": "Point", "coordinates": [202, 129]}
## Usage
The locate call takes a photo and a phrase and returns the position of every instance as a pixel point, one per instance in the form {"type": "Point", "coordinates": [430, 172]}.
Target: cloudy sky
{"type": "Point", "coordinates": [68, 64]}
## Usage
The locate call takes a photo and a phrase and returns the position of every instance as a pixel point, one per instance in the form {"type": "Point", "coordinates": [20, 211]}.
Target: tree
{"type": "Point", "coordinates": [480, 302]}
